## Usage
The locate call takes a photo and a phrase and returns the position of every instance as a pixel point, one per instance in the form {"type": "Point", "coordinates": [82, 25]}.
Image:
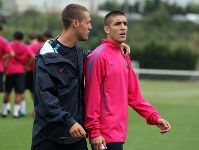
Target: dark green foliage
{"type": "Point", "coordinates": [183, 58]}
{"type": "Point", "coordinates": [160, 16]}
{"type": "Point", "coordinates": [150, 6]}
{"type": "Point", "coordinates": [158, 55]}
{"type": "Point", "coordinates": [136, 51]}
{"type": "Point", "coordinates": [96, 35]}
{"type": "Point", "coordinates": [154, 55]}
{"type": "Point", "coordinates": [110, 5]}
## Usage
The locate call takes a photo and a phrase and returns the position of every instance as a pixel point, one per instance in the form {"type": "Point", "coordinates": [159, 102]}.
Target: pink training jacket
{"type": "Point", "coordinates": [111, 85]}
{"type": "Point", "coordinates": [34, 48]}
{"type": "Point", "coordinates": [16, 63]}
{"type": "Point", "coordinates": [5, 48]}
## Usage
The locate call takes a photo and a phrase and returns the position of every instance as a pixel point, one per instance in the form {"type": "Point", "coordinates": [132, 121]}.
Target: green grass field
{"type": "Point", "coordinates": [178, 102]}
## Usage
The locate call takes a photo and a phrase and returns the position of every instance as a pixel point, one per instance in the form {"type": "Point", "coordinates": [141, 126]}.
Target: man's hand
{"type": "Point", "coordinates": [77, 131]}
{"type": "Point", "coordinates": [163, 125]}
{"type": "Point", "coordinates": [125, 49]}
{"type": "Point", "coordinates": [97, 143]}
{"type": "Point", "coordinates": [27, 68]}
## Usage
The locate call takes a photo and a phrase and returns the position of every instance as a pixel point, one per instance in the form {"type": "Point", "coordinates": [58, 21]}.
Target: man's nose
{"type": "Point", "coordinates": [90, 27]}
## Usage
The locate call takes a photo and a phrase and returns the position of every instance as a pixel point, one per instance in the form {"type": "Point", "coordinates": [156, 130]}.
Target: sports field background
{"type": "Point", "coordinates": [178, 102]}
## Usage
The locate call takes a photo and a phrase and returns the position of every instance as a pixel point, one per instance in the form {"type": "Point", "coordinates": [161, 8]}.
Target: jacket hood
{"type": "Point", "coordinates": [49, 54]}
{"type": "Point", "coordinates": [47, 48]}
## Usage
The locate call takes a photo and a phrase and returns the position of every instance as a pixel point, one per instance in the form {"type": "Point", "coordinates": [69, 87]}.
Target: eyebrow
{"type": "Point", "coordinates": [125, 22]}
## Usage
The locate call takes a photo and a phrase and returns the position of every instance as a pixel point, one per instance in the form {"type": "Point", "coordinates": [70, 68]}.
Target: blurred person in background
{"type": "Point", "coordinates": [59, 85]}
{"type": "Point", "coordinates": [32, 38]}
{"type": "Point", "coordinates": [36, 42]}
{"type": "Point", "coordinates": [15, 76]}
{"type": "Point", "coordinates": [5, 52]}
{"type": "Point", "coordinates": [111, 85]}
{"type": "Point", "coordinates": [47, 36]}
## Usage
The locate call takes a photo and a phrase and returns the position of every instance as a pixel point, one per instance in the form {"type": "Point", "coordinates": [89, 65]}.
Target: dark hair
{"type": "Point", "coordinates": [47, 34]}
{"type": "Point", "coordinates": [72, 12]}
{"type": "Point", "coordinates": [40, 38]}
{"type": "Point", "coordinates": [18, 35]}
{"type": "Point", "coordinates": [32, 36]}
{"type": "Point", "coordinates": [108, 17]}
{"type": "Point", "coordinates": [1, 27]}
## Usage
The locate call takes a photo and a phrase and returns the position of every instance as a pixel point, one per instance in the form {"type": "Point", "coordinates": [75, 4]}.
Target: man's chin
{"type": "Point", "coordinates": [83, 39]}
{"type": "Point", "coordinates": [122, 41]}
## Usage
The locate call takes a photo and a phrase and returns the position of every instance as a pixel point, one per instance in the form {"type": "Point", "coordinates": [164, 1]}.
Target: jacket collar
{"type": "Point", "coordinates": [50, 55]}
{"type": "Point", "coordinates": [110, 44]}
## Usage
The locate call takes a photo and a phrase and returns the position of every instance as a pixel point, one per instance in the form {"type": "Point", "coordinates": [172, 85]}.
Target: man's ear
{"type": "Point", "coordinates": [75, 23]}
{"type": "Point", "coordinates": [106, 29]}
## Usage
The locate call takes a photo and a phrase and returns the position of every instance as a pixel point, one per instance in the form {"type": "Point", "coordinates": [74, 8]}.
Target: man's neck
{"type": "Point", "coordinates": [67, 38]}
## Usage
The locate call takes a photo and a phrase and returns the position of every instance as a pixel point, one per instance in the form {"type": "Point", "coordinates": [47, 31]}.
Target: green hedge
{"type": "Point", "coordinates": [154, 54]}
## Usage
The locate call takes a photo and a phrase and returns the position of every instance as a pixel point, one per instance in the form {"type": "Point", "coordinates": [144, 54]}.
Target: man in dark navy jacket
{"type": "Point", "coordinates": [58, 79]}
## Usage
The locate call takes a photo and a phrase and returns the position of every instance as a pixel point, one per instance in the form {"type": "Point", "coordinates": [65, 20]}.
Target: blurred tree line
{"type": "Point", "coordinates": [150, 6]}
{"type": "Point", "coordinates": [156, 41]}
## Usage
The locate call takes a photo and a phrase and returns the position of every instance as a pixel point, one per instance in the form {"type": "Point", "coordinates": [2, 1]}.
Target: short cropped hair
{"type": "Point", "coordinates": [18, 35]}
{"type": "Point", "coordinates": [32, 36]}
{"type": "Point", "coordinates": [40, 38]}
{"type": "Point", "coordinates": [110, 15]}
{"type": "Point", "coordinates": [47, 34]}
{"type": "Point", "coordinates": [72, 12]}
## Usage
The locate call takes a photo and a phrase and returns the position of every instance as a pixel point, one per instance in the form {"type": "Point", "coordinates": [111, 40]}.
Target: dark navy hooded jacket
{"type": "Point", "coordinates": [58, 99]}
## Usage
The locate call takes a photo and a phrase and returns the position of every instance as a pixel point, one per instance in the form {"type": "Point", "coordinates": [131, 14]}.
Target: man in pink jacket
{"type": "Point", "coordinates": [112, 85]}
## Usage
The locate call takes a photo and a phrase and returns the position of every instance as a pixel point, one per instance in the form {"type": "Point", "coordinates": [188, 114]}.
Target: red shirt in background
{"type": "Point", "coordinates": [34, 48]}
{"type": "Point", "coordinates": [16, 63]}
{"type": "Point", "coordinates": [4, 49]}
